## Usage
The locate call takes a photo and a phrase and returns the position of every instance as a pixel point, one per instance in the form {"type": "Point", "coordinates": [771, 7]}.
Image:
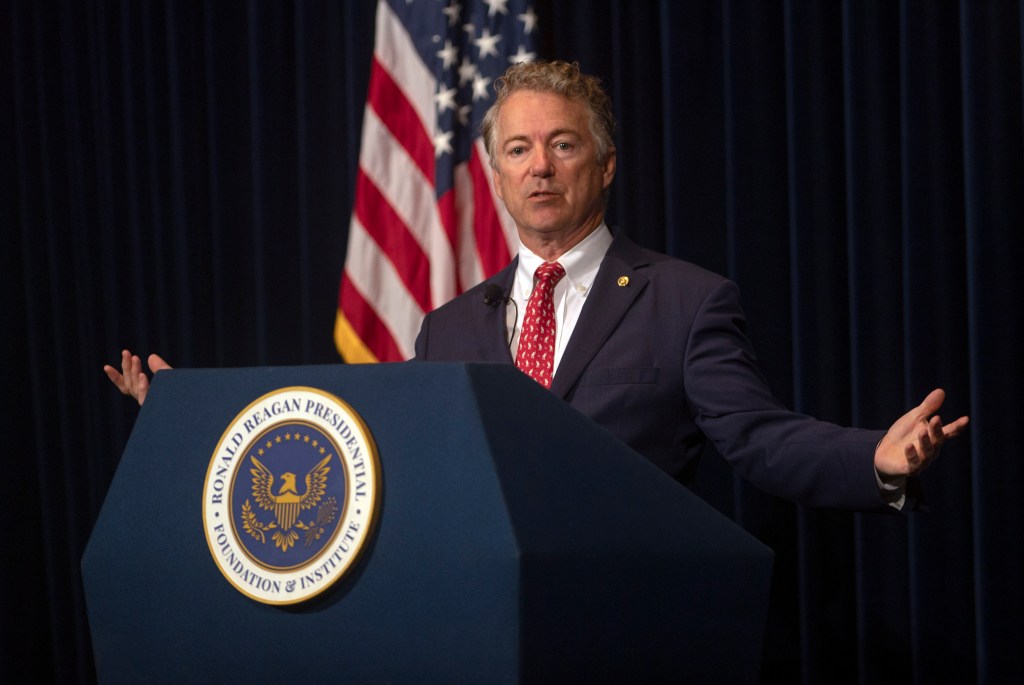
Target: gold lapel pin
{"type": "Point", "coordinates": [623, 281]}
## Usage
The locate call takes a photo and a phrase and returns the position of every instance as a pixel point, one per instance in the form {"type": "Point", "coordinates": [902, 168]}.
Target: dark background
{"type": "Point", "coordinates": [178, 176]}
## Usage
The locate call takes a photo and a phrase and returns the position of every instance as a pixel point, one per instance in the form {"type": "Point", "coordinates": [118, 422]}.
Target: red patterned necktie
{"type": "Point", "coordinates": [536, 354]}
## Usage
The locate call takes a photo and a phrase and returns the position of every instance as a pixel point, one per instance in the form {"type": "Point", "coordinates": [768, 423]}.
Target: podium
{"type": "Point", "coordinates": [515, 542]}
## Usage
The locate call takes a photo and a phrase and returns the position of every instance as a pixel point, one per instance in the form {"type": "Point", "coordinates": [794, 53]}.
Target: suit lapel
{"type": "Point", "coordinates": [492, 337]}
{"type": "Point", "coordinates": [606, 304]}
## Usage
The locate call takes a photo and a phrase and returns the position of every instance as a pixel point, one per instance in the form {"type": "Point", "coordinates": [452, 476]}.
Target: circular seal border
{"type": "Point", "coordinates": [360, 512]}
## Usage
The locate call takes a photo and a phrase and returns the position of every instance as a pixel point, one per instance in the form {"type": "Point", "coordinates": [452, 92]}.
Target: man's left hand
{"type": "Point", "coordinates": [914, 440]}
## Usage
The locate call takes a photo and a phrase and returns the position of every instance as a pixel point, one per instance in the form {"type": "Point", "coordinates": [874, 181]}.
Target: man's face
{"type": "Point", "coordinates": [546, 169]}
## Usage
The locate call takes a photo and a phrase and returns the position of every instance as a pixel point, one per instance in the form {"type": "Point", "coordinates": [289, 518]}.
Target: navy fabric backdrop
{"type": "Point", "coordinates": [178, 177]}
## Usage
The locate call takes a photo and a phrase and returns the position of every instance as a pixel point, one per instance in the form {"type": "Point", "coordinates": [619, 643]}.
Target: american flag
{"type": "Point", "coordinates": [426, 224]}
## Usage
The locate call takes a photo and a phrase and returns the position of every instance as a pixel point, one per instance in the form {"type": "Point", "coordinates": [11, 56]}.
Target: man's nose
{"type": "Point", "coordinates": [540, 162]}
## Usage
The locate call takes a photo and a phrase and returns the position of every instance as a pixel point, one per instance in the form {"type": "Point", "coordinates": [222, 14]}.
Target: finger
{"type": "Point", "coordinates": [935, 433]}
{"type": "Point", "coordinates": [157, 363]}
{"type": "Point", "coordinates": [133, 373]}
{"type": "Point", "coordinates": [951, 430]}
{"type": "Point", "coordinates": [142, 389]}
{"type": "Point", "coordinates": [924, 445]}
{"type": "Point", "coordinates": [115, 377]}
{"type": "Point", "coordinates": [912, 457]}
{"type": "Point", "coordinates": [126, 363]}
{"type": "Point", "coordinates": [125, 377]}
{"type": "Point", "coordinates": [933, 402]}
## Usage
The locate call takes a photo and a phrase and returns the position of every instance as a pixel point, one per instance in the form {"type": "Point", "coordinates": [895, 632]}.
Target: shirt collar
{"type": "Point", "coordinates": [581, 263]}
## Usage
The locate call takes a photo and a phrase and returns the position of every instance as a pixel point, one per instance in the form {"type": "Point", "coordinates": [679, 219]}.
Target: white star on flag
{"type": "Point", "coordinates": [495, 6]}
{"type": "Point", "coordinates": [467, 71]}
{"type": "Point", "coordinates": [529, 20]}
{"type": "Point", "coordinates": [426, 224]}
{"type": "Point", "coordinates": [445, 99]}
{"type": "Point", "coordinates": [487, 43]}
{"type": "Point", "coordinates": [522, 56]}
{"type": "Point", "coordinates": [449, 54]}
{"type": "Point", "coordinates": [452, 12]}
{"type": "Point", "coordinates": [480, 84]}
{"type": "Point", "coordinates": [443, 143]}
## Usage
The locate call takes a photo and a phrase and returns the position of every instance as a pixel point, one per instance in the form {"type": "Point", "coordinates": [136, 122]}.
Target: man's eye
{"type": "Point", "coordinates": [562, 145]}
{"type": "Point", "coordinates": [516, 151]}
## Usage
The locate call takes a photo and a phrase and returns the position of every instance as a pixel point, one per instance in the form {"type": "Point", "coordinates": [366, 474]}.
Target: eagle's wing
{"type": "Point", "coordinates": [262, 481]}
{"type": "Point", "coordinates": [316, 483]}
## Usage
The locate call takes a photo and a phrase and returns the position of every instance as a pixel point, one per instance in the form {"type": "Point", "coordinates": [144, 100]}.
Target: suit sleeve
{"type": "Point", "coordinates": [785, 453]}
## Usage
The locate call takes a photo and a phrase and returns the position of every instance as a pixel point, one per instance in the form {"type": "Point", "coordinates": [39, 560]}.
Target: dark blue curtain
{"type": "Point", "coordinates": [177, 177]}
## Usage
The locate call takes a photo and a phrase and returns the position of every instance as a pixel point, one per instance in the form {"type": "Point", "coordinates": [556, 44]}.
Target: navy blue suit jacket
{"type": "Point", "coordinates": [663, 364]}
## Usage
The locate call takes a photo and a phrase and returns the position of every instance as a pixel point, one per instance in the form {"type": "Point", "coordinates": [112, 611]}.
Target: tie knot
{"type": "Point", "coordinates": [549, 273]}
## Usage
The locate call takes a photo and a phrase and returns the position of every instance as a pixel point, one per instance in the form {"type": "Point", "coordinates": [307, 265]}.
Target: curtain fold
{"type": "Point", "coordinates": [177, 177]}
{"type": "Point", "coordinates": [991, 69]}
{"type": "Point", "coordinates": [871, 78]}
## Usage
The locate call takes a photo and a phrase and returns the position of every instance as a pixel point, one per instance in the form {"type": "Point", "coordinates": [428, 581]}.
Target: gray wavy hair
{"type": "Point", "coordinates": [561, 78]}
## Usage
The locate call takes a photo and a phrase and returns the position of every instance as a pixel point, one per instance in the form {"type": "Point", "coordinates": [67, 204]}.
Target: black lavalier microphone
{"type": "Point", "coordinates": [493, 294]}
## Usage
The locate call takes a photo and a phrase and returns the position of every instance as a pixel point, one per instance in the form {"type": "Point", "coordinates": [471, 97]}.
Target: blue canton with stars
{"type": "Point", "coordinates": [466, 45]}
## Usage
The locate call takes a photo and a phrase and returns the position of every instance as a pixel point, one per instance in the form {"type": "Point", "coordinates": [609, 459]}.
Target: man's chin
{"type": "Point", "coordinates": [547, 228]}
{"type": "Point", "coordinates": [558, 231]}
{"type": "Point", "coordinates": [546, 217]}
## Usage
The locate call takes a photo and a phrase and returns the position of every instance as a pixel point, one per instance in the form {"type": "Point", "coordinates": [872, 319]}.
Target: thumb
{"type": "Point", "coordinates": [933, 402]}
{"type": "Point", "coordinates": [157, 363]}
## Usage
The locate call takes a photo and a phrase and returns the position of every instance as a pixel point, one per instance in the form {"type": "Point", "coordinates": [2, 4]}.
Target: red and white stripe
{"type": "Point", "coordinates": [409, 251]}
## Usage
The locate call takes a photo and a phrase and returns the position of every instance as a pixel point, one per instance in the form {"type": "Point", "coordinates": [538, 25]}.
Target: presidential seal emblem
{"type": "Point", "coordinates": [291, 495]}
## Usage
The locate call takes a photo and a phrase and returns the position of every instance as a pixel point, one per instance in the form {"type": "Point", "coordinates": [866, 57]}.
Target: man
{"type": "Point", "coordinates": [650, 347]}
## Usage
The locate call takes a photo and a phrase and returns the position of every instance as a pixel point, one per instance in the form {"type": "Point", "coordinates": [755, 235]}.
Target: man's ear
{"type": "Point", "coordinates": [609, 167]}
{"type": "Point", "coordinates": [496, 181]}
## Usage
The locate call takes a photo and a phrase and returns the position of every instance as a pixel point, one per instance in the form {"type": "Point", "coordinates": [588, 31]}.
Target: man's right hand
{"type": "Point", "coordinates": [131, 380]}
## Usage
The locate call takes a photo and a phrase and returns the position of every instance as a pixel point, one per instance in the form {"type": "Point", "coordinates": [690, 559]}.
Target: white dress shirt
{"type": "Point", "coordinates": [581, 264]}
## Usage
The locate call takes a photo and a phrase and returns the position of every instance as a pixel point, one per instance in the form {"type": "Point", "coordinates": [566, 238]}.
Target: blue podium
{"type": "Point", "coordinates": [514, 541]}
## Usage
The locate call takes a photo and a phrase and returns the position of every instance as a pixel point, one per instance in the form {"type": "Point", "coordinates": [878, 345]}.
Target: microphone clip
{"type": "Point", "coordinates": [494, 295]}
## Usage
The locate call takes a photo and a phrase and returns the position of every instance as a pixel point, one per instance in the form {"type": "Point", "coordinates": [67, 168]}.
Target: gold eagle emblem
{"type": "Point", "coordinates": [287, 503]}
